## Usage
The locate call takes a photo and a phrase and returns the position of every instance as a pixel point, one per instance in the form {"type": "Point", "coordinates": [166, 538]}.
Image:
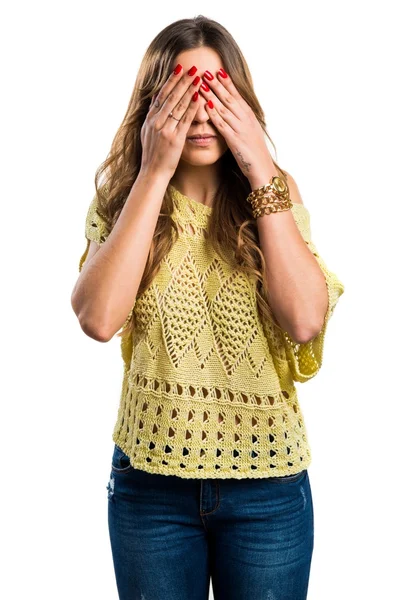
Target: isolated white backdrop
{"type": "Point", "coordinates": [327, 76]}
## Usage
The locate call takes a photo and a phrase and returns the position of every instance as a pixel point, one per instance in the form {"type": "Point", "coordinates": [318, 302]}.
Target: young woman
{"type": "Point", "coordinates": [199, 247]}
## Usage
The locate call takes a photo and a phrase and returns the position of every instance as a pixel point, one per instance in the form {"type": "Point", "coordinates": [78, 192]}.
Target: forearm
{"type": "Point", "coordinates": [106, 289]}
{"type": "Point", "coordinates": [297, 290]}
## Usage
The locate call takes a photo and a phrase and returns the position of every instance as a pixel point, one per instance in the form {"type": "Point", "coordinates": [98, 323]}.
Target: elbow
{"type": "Point", "coordinates": [92, 330]}
{"type": "Point", "coordinates": [303, 334]}
{"type": "Point", "coordinates": [97, 332]}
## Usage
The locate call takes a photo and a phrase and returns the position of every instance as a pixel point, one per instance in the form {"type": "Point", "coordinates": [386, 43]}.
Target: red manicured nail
{"type": "Point", "coordinates": [196, 80]}
{"type": "Point", "coordinates": [208, 75]}
{"type": "Point", "coordinates": [178, 69]}
{"type": "Point", "coordinates": [192, 70]}
{"type": "Point", "coordinates": [210, 104]}
{"type": "Point", "coordinates": [205, 87]}
{"type": "Point", "coordinates": [195, 96]}
{"type": "Point", "coordinates": [223, 73]}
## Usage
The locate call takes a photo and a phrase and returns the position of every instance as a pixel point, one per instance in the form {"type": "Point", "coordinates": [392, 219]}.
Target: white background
{"type": "Point", "coordinates": [327, 77]}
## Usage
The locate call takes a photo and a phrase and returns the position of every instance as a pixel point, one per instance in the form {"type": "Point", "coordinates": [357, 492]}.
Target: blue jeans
{"type": "Point", "coordinates": [170, 536]}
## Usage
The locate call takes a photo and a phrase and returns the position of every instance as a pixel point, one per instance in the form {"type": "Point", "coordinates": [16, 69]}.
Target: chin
{"type": "Point", "coordinates": [201, 156]}
{"type": "Point", "coordinates": [193, 158]}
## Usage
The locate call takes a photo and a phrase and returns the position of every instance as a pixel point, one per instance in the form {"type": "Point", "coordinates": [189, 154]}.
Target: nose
{"type": "Point", "coordinates": [201, 115]}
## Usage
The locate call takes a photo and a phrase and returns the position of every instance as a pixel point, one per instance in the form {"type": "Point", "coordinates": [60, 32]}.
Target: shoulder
{"type": "Point", "coordinates": [294, 191]}
{"type": "Point", "coordinates": [96, 227]}
{"type": "Point", "coordinates": [299, 210]}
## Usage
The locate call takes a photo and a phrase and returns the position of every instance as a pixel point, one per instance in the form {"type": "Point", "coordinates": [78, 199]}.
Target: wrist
{"type": "Point", "coordinates": [262, 175]}
{"type": "Point", "coordinates": [152, 176]}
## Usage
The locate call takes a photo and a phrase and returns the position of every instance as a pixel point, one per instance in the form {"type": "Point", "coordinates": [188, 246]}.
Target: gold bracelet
{"type": "Point", "coordinates": [270, 198]}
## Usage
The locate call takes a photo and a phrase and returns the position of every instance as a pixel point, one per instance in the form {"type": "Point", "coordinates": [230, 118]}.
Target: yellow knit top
{"type": "Point", "coordinates": [208, 387]}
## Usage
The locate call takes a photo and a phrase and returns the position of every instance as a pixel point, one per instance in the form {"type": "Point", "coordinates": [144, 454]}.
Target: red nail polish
{"type": "Point", "coordinates": [192, 70]}
{"type": "Point", "coordinates": [208, 75]}
{"type": "Point", "coordinates": [196, 80]}
{"type": "Point", "coordinates": [210, 104]}
{"type": "Point", "coordinates": [223, 73]}
{"type": "Point", "coordinates": [195, 96]}
{"type": "Point", "coordinates": [205, 87]}
{"type": "Point", "coordinates": [178, 69]}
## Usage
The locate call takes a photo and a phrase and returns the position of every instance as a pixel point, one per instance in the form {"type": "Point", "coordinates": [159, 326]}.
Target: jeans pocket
{"type": "Point", "coordinates": [120, 462]}
{"type": "Point", "coordinates": [288, 478]}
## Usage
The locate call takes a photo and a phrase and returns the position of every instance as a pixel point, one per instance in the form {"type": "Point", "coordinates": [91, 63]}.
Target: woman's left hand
{"type": "Point", "coordinates": [233, 118]}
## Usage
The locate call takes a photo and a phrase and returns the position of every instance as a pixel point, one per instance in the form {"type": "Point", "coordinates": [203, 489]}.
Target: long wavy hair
{"type": "Point", "coordinates": [232, 229]}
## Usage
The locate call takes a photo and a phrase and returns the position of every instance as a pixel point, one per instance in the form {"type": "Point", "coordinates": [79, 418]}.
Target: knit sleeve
{"type": "Point", "coordinates": [96, 231]}
{"type": "Point", "coordinates": [305, 360]}
{"type": "Point", "coordinates": [95, 228]}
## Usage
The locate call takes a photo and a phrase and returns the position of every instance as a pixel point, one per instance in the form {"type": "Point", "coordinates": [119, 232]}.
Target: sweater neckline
{"type": "Point", "coordinates": [182, 200]}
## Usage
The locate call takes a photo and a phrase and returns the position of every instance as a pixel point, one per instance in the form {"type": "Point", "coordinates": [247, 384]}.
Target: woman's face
{"type": "Point", "coordinates": [204, 59]}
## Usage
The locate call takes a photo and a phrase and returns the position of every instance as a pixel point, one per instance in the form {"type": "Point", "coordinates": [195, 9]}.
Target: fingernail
{"type": "Point", "coordinates": [178, 69]}
{"type": "Point", "coordinates": [208, 75]}
{"type": "Point", "coordinates": [223, 73]}
{"type": "Point", "coordinates": [195, 96]}
{"type": "Point", "coordinates": [205, 87]}
{"type": "Point", "coordinates": [196, 80]}
{"type": "Point", "coordinates": [210, 104]}
{"type": "Point", "coordinates": [192, 70]}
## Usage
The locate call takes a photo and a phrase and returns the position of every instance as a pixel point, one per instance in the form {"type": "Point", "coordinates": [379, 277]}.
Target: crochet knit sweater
{"type": "Point", "coordinates": [208, 387]}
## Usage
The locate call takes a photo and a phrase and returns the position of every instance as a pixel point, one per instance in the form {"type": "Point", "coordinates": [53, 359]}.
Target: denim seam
{"type": "Point", "coordinates": [203, 514]}
{"type": "Point", "coordinates": [124, 470]}
{"type": "Point", "coordinates": [289, 478]}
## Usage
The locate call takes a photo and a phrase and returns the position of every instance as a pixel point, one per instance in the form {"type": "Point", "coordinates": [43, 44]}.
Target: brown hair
{"type": "Point", "coordinates": [232, 229]}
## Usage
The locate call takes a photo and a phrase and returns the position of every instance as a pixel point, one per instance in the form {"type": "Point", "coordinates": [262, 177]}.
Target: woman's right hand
{"type": "Point", "coordinates": [162, 137]}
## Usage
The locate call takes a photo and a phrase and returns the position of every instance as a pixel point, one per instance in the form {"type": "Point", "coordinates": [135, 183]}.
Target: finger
{"type": "Point", "coordinates": [227, 83]}
{"type": "Point", "coordinates": [158, 99]}
{"type": "Point", "coordinates": [179, 105]}
{"type": "Point", "coordinates": [189, 102]}
{"type": "Point", "coordinates": [221, 112]}
{"type": "Point", "coordinates": [188, 116]}
{"type": "Point", "coordinates": [171, 92]}
{"type": "Point", "coordinates": [222, 98]}
{"type": "Point", "coordinates": [155, 102]}
{"type": "Point", "coordinates": [219, 121]}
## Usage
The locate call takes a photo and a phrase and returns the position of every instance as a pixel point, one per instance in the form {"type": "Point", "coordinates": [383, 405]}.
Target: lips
{"type": "Point", "coordinates": [200, 137]}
